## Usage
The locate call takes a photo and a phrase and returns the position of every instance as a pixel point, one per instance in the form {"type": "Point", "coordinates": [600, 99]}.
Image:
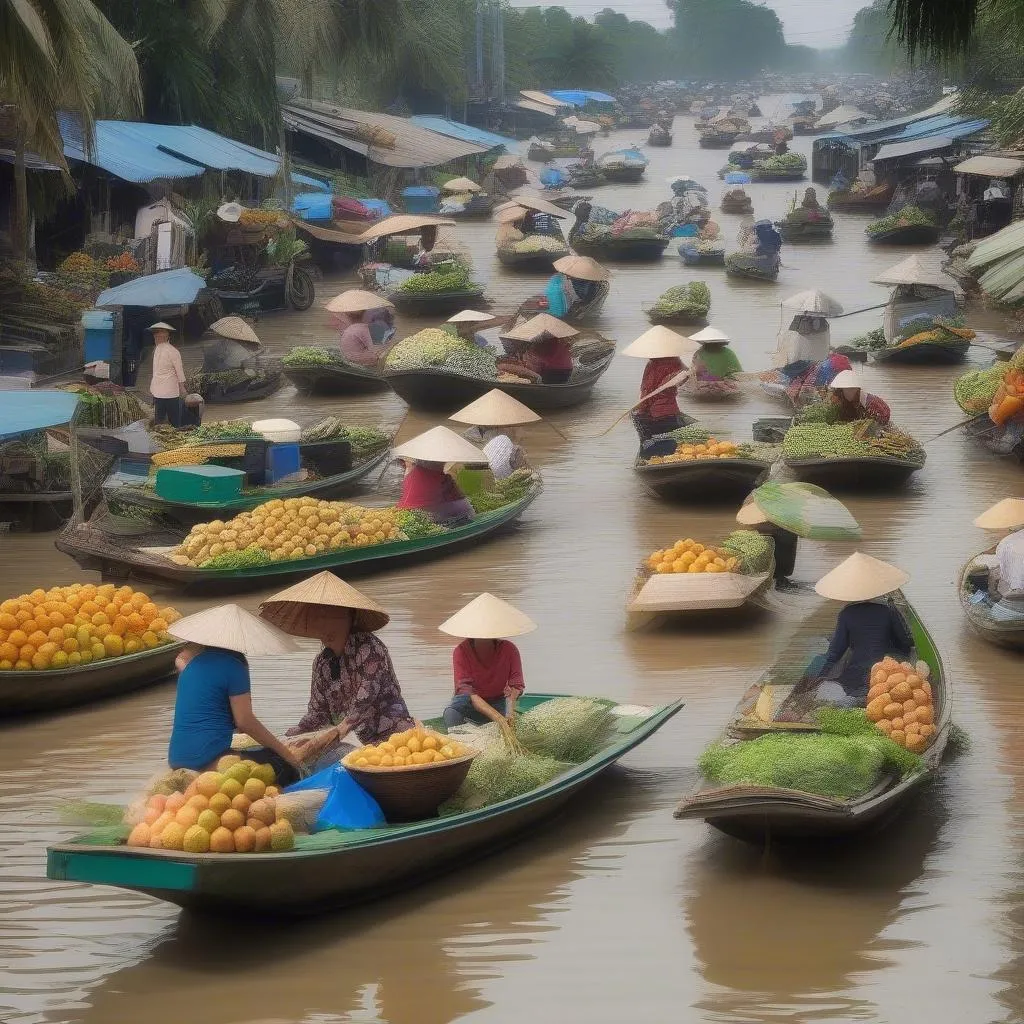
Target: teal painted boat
{"type": "Point", "coordinates": [335, 869]}
{"type": "Point", "coordinates": [94, 549]}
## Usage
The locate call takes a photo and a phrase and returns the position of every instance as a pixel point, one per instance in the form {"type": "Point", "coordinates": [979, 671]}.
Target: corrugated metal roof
{"type": "Point", "coordinates": [991, 166]}
{"type": "Point", "coordinates": [407, 144]}
{"type": "Point", "coordinates": [930, 144]}
{"type": "Point", "coordinates": [119, 153]}
{"type": "Point", "coordinates": [458, 130]}
{"type": "Point", "coordinates": [537, 108]}
{"type": "Point", "coordinates": [859, 135]}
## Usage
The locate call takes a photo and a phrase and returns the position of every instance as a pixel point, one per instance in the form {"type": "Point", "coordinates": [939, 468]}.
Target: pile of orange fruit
{"type": "Point", "coordinates": [710, 449]}
{"type": "Point", "coordinates": [900, 703]}
{"type": "Point", "coordinates": [66, 627]}
{"type": "Point", "coordinates": [690, 556]}
{"type": "Point", "coordinates": [415, 746]}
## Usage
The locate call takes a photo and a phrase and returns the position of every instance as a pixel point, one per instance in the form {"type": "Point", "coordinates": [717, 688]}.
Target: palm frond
{"type": "Point", "coordinates": [940, 28]}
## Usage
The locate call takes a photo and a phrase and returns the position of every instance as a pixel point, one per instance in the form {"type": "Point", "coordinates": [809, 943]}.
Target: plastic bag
{"type": "Point", "coordinates": [347, 805]}
{"type": "Point", "coordinates": [301, 809]}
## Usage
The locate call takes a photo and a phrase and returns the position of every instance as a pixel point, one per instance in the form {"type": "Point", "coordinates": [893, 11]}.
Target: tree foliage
{"type": "Point", "coordinates": [727, 39]}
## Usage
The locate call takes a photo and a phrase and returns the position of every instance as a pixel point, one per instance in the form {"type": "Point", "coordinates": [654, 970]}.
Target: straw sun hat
{"type": "Point", "coordinates": [660, 343]}
{"type": "Point", "coordinates": [751, 515]}
{"type": "Point", "coordinates": [440, 445]}
{"type": "Point", "coordinates": [860, 578]}
{"type": "Point", "coordinates": [845, 379]}
{"type": "Point", "coordinates": [540, 325]}
{"type": "Point", "coordinates": [487, 618]}
{"type": "Point", "coordinates": [511, 214]}
{"type": "Point", "coordinates": [710, 336]}
{"type": "Point", "coordinates": [291, 609]}
{"type": "Point", "coordinates": [495, 409]}
{"type": "Point", "coordinates": [1007, 514]}
{"type": "Point", "coordinates": [234, 629]}
{"type": "Point", "coordinates": [355, 300]}
{"type": "Point", "coordinates": [581, 267]}
{"type": "Point", "coordinates": [461, 185]}
{"type": "Point", "coordinates": [235, 329]}
{"type": "Point", "coordinates": [161, 326]}
{"type": "Point", "coordinates": [471, 316]}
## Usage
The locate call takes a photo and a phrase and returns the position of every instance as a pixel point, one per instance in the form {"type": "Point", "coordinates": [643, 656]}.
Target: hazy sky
{"type": "Point", "coordinates": [820, 23]}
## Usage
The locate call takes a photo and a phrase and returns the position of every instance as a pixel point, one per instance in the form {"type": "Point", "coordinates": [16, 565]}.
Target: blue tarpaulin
{"type": "Point", "coordinates": [23, 412]}
{"type": "Point", "coordinates": [168, 288]}
{"type": "Point", "coordinates": [579, 97]}
{"type": "Point", "coordinates": [460, 131]}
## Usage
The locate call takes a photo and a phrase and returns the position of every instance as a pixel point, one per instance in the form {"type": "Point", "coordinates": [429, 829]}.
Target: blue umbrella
{"type": "Point", "coordinates": [23, 412]}
{"type": "Point", "coordinates": [168, 288]}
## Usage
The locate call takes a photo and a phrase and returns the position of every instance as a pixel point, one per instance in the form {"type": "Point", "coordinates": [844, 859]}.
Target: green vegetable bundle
{"type": "Point", "coordinates": [312, 355]}
{"type": "Point", "coordinates": [362, 439]}
{"type": "Point", "coordinates": [571, 729]}
{"type": "Point", "coordinates": [860, 439]}
{"type": "Point", "coordinates": [975, 391]}
{"type": "Point", "coordinates": [502, 773]}
{"type": "Point", "coordinates": [841, 764]}
{"type": "Point", "coordinates": [909, 216]}
{"type": "Point", "coordinates": [452, 279]}
{"type": "Point", "coordinates": [215, 431]}
{"type": "Point", "coordinates": [417, 525]}
{"type": "Point", "coordinates": [247, 558]}
{"type": "Point", "coordinates": [505, 492]}
{"type": "Point", "coordinates": [691, 434]}
{"type": "Point", "coordinates": [870, 342]}
{"type": "Point", "coordinates": [691, 300]}
{"type": "Point", "coordinates": [437, 348]}
{"type": "Point", "coordinates": [539, 243]}
{"type": "Point", "coordinates": [753, 549]}
{"type": "Point", "coordinates": [787, 163]}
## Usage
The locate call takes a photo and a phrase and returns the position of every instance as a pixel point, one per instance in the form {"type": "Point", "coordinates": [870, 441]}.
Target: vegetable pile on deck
{"type": "Point", "coordinates": [975, 391]}
{"type": "Point", "coordinates": [682, 302]}
{"type": "Point", "coordinates": [785, 164]}
{"type": "Point", "coordinates": [434, 348]}
{"type": "Point", "coordinates": [105, 405]}
{"type": "Point", "coordinates": [537, 244]}
{"type": "Point", "coordinates": [860, 439]}
{"type": "Point", "coordinates": [67, 627]}
{"type": "Point", "coordinates": [448, 279]}
{"type": "Point", "coordinates": [313, 355]}
{"type": "Point", "coordinates": [909, 216]}
{"type": "Point", "coordinates": [505, 491]}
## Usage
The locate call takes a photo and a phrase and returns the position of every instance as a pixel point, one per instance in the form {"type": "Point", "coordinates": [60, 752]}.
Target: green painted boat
{"type": "Point", "coordinates": [94, 549]}
{"type": "Point", "coordinates": [335, 869]}
{"type": "Point", "coordinates": [328, 488]}
{"type": "Point", "coordinates": [757, 813]}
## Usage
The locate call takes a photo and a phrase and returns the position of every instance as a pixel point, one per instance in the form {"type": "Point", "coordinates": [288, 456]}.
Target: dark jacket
{"type": "Point", "coordinates": [869, 631]}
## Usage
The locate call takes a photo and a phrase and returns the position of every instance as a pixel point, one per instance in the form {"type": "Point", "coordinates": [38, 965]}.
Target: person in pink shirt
{"type": "Point", "coordinates": [167, 385]}
{"type": "Point", "coordinates": [487, 669]}
{"type": "Point", "coordinates": [356, 342]}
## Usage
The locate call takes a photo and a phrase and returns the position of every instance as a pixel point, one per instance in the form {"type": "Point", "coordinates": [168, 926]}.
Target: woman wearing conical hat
{"type": "Point", "coordinates": [492, 420]}
{"type": "Point", "coordinates": [428, 486]}
{"type": "Point", "coordinates": [359, 314]}
{"type": "Point", "coordinates": [658, 410]}
{"type": "Point", "coordinates": [868, 628]}
{"type": "Point", "coordinates": [354, 690]}
{"type": "Point", "coordinates": [487, 669]}
{"type": "Point", "coordinates": [1006, 564]}
{"type": "Point", "coordinates": [850, 402]}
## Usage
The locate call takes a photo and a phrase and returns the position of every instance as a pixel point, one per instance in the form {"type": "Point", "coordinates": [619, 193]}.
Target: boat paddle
{"type": "Point", "coordinates": [672, 382]}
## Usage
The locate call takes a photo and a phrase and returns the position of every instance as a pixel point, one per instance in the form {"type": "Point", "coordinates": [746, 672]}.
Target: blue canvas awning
{"type": "Point", "coordinates": [24, 412]}
{"type": "Point", "coordinates": [579, 97]}
{"type": "Point", "coordinates": [463, 132]}
{"type": "Point", "coordinates": [167, 288]}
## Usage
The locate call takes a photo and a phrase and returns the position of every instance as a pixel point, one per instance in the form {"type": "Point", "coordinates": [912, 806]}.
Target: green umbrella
{"type": "Point", "coordinates": [805, 510]}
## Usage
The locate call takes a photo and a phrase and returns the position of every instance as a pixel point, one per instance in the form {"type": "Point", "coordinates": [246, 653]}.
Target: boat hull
{"type": "Point", "coordinates": [924, 354]}
{"type": "Point", "coordinates": [847, 474]}
{"type": "Point", "coordinates": [530, 262]}
{"type": "Point", "coordinates": [1006, 633]}
{"type": "Point", "coordinates": [427, 304]}
{"type": "Point", "coordinates": [702, 480]}
{"type": "Point", "coordinates": [632, 250]}
{"type": "Point", "coordinates": [626, 175]}
{"type": "Point", "coordinates": [913, 234]}
{"type": "Point", "coordinates": [334, 380]}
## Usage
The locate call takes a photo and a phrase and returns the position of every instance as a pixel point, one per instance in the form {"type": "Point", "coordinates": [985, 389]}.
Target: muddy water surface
{"type": "Point", "coordinates": [616, 912]}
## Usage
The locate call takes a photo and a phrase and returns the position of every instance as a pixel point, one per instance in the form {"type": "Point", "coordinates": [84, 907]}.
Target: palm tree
{"type": "Point", "coordinates": [58, 55]}
{"type": "Point", "coordinates": [940, 28]}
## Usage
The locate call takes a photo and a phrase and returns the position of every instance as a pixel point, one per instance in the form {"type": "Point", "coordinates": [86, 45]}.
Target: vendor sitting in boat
{"type": "Point", "coordinates": [709, 231]}
{"type": "Point", "coordinates": [354, 690]}
{"type": "Point", "coordinates": [487, 670]}
{"type": "Point", "coordinates": [1006, 564]}
{"type": "Point", "coordinates": [868, 628]}
{"type": "Point", "coordinates": [492, 420]}
{"type": "Point", "coordinates": [658, 410]}
{"type": "Point", "coordinates": [428, 486]}
{"type": "Point", "coordinates": [578, 282]}
{"type": "Point", "coordinates": [541, 345]}
{"type": "Point", "coordinates": [468, 323]}
{"type": "Point", "coordinates": [428, 239]}
{"type": "Point", "coordinates": [714, 360]}
{"type": "Point", "coordinates": [784, 541]}
{"type": "Point", "coordinates": [365, 319]}
{"type": "Point", "coordinates": [850, 402]}
{"type": "Point", "coordinates": [213, 699]}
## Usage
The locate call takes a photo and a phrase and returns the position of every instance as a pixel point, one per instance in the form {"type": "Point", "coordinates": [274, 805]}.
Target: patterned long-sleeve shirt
{"type": "Point", "coordinates": [360, 686]}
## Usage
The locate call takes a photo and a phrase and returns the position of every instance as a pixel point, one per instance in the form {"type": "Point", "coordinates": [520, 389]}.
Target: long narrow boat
{"type": "Point", "coordinates": [93, 549]}
{"type": "Point", "coordinates": [335, 869]}
{"type": "Point", "coordinates": [329, 488]}
{"type": "Point", "coordinates": [536, 261]}
{"type": "Point", "coordinates": [335, 379]}
{"type": "Point", "coordinates": [622, 249]}
{"type": "Point", "coordinates": [924, 353]}
{"type": "Point", "coordinates": [909, 234]}
{"type": "Point", "coordinates": [37, 511]}
{"type": "Point", "coordinates": [444, 391]}
{"type": "Point", "coordinates": [999, 622]}
{"type": "Point", "coordinates": [24, 693]}
{"type": "Point", "coordinates": [757, 813]}
{"type": "Point", "coordinates": [866, 472]}
{"type": "Point", "coordinates": [429, 303]}
{"type": "Point", "coordinates": [578, 312]}
{"type": "Point", "coordinates": [701, 480]}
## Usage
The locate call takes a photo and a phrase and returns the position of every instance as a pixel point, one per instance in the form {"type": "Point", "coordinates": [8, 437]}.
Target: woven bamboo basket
{"type": "Point", "coordinates": [416, 791]}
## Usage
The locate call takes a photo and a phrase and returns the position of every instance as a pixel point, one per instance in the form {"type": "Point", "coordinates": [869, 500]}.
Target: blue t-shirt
{"type": "Point", "coordinates": [203, 724]}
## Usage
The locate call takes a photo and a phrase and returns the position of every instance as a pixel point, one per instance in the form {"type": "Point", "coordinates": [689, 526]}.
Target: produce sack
{"type": "Point", "coordinates": [1008, 403]}
{"type": "Point", "coordinates": [346, 806]}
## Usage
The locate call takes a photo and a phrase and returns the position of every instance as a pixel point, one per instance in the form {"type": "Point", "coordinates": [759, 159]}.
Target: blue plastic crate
{"type": "Point", "coordinates": [420, 199]}
{"type": "Point", "coordinates": [199, 483]}
{"type": "Point", "coordinates": [98, 325]}
{"type": "Point", "coordinates": [282, 460]}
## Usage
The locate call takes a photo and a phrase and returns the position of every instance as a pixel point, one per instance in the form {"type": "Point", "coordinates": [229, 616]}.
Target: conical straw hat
{"type": "Point", "coordinates": [582, 267]}
{"type": "Point", "coordinates": [290, 610]}
{"type": "Point", "coordinates": [845, 379]}
{"type": "Point", "coordinates": [440, 444]}
{"type": "Point", "coordinates": [660, 343]}
{"type": "Point", "coordinates": [487, 618]}
{"type": "Point", "coordinates": [461, 185]}
{"type": "Point", "coordinates": [233, 629]}
{"type": "Point", "coordinates": [1007, 514]}
{"type": "Point", "coordinates": [710, 336]}
{"type": "Point", "coordinates": [355, 300]}
{"type": "Point", "coordinates": [495, 409]}
{"type": "Point", "coordinates": [860, 578]}
{"type": "Point", "coordinates": [750, 514]}
{"type": "Point", "coordinates": [161, 326]}
{"type": "Point", "coordinates": [234, 328]}
{"type": "Point", "coordinates": [471, 316]}
{"type": "Point", "coordinates": [538, 326]}
{"type": "Point", "coordinates": [403, 224]}
{"type": "Point", "coordinates": [813, 301]}
{"type": "Point", "coordinates": [230, 213]}
{"type": "Point", "coordinates": [540, 205]}
{"type": "Point", "coordinates": [511, 214]}
{"type": "Point", "coordinates": [917, 270]}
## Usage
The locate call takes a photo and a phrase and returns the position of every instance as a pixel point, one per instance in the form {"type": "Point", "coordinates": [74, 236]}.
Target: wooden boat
{"type": "Point", "coordinates": [694, 257]}
{"type": "Point", "coordinates": [92, 549]}
{"type": "Point", "coordinates": [250, 389]}
{"type": "Point", "coordinates": [717, 140]}
{"type": "Point", "coordinates": [909, 234]}
{"type": "Point", "coordinates": [23, 693]}
{"type": "Point", "coordinates": [742, 206]}
{"type": "Point", "coordinates": [924, 353]}
{"type": "Point", "coordinates": [753, 267]}
{"type": "Point", "coordinates": [328, 488]}
{"type": "Point", "coordinates": [578, 312]}
{"type": "Point", "coordinates": [760, 174]}
{"type": "Point", "coordinates": [806, 231]}
{"type": "Point", "coordinates": [866, 472]}
{"type": "Point", "coordinates": [757, 814]}
{"type": "Point", "coordinates": [1004, 628]}
{"type": "Point", "coordinates": [872, 200]}
{"type": "Point", "coordinates": [656, 597]}
{"type": "Point", "coordinates": [623, 173]}
{"type": "Point", "coordinates": [335, 379]}
{"type": "Point", "coordinates": [445, 392]}
{"type": "Point", "coordinates": [36, 511]}
{"type": "Point", "coordinates": [431, 303]}
{"type": "Point", "coordinates": [339, 868]}
{"type": "Point", "coordinates": [634, 250]}
{"type": "Point", "coordinates": [702, 480]}
{"type": "Point", "coordinates": [659, 136]}
{"type": "Point", "coordinates": [538, 262]}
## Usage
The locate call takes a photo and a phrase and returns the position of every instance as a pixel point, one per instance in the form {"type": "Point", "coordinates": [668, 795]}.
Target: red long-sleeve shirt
{"type": "Point", "coordinates": [665, 403]}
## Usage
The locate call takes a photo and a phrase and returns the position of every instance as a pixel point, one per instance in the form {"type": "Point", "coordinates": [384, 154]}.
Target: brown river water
{"type": "Point", "coordinates": [615, 911]}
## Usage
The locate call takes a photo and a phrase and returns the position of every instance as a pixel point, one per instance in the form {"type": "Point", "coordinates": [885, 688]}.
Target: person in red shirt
{"type": "Point", "coordinates": [542, 346]}
{"type": "Point", "coordinates": [551, 358]}
{"type": "Point", "coordinates": [429, 488]}
{"type": "Point", "coordinates": [660, 413]}
{"type": "Point", "coordinates": [487, 669]}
